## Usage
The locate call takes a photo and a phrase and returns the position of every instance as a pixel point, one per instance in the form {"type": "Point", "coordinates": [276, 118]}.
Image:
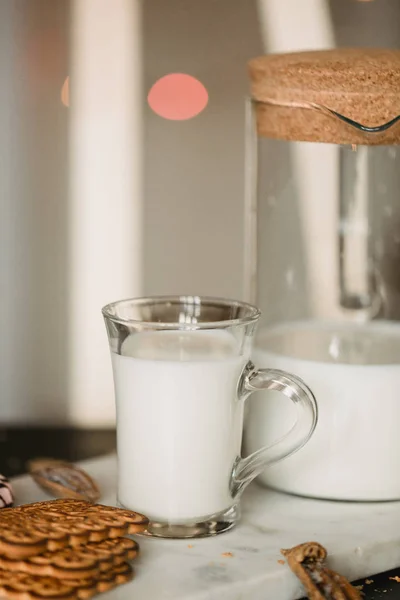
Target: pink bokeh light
{"type": "Point", "coordinates": [177, 97]}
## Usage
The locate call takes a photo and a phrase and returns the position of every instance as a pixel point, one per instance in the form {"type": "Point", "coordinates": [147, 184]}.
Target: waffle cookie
{"type": "Point", "coordinates": [33, 529]}
{"type": "Point", "coordinates": [62, 479]}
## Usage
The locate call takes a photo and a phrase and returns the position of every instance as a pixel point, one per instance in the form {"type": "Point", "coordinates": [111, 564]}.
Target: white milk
{"type": "Point", "coordinates": [354, 372]}
{"type": "Point", "coordinates": [179, 422]}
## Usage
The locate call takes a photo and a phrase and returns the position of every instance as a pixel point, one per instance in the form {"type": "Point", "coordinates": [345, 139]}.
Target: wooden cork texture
{"type": "Point", "coordinates": [292, 92]}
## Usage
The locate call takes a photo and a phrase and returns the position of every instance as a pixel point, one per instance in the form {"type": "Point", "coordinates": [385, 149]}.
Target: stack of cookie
{"type": "Point", "coordinates": [65, 549]}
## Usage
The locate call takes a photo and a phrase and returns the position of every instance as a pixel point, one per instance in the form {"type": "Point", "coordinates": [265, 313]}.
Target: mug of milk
{"type": "Point", "coordinates": [182, 373]}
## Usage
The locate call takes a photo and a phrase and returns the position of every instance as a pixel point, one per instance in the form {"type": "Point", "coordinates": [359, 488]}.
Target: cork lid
{"type": "Point", "coordinates": [342, 96]}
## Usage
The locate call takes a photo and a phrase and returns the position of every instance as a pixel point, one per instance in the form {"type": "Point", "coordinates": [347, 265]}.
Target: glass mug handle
{"type": "Point", "coordinates": [257, 380]}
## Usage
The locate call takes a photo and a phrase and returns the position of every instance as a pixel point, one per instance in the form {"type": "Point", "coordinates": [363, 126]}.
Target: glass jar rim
{"type": "Point", "coordinates": [246, 313]}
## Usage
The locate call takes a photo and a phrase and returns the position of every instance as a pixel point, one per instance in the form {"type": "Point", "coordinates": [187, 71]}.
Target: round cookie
{"type": "Point", "coordinates": [32, 529]}
{"type": "Point", "coordinates": [84, 562]}
{"type": "Point", "coordinates": [21, 586]}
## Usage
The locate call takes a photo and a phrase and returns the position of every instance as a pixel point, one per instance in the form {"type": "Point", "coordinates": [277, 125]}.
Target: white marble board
{"type": "Point", "coordinates": [362, 539]}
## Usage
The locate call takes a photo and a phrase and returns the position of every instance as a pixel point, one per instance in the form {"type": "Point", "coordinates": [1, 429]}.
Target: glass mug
{"type": "Point", "coordinates": [182, 371]}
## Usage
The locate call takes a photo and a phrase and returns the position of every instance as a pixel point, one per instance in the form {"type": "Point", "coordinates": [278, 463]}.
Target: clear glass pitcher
{"type": "Point", "coordinates": [323, 262]}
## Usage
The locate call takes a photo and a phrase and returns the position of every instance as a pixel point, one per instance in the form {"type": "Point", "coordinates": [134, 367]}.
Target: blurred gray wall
{"type": "Point", "coordinates": [33, 208]}
{"type": "Point", "coordinates": [194, 183]}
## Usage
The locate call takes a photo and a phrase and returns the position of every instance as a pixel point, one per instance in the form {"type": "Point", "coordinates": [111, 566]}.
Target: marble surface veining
{"type": "Point", "coordinates": [362, 539]}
